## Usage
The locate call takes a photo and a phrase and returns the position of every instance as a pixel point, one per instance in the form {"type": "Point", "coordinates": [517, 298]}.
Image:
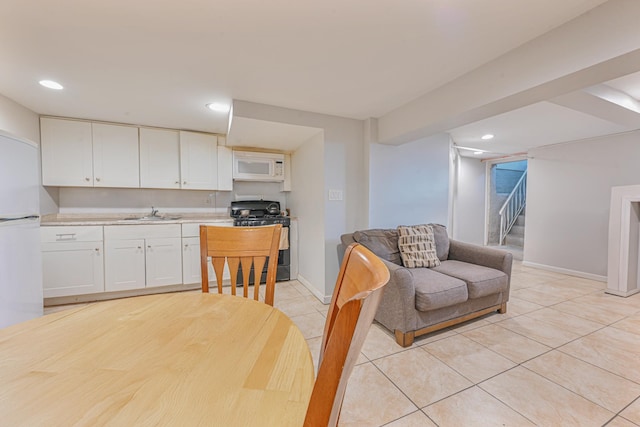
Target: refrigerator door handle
{"type": "Point", "coordinates": [19, 218]}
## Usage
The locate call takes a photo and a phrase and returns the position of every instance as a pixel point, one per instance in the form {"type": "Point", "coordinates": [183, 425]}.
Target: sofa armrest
{"type": "Point", "coordinates": [481, 255]}
{"type": "Point", "coordinates": [345, 241]}
{"type": "Point", "coordinates": [397, 309]}
{"type": "Point", "coordinates": [400, 278]}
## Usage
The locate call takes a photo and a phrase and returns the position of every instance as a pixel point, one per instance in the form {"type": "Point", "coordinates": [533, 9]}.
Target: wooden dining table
{"type": "Point", "coordinates": [181, 359]}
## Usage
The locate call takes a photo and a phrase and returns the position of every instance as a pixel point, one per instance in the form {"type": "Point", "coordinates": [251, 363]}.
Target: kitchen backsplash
{"type": "Point", "coordinates": [96, 200]}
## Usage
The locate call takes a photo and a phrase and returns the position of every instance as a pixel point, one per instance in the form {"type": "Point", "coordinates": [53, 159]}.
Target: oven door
{"type": "Point", "coordinates": [283, 272]}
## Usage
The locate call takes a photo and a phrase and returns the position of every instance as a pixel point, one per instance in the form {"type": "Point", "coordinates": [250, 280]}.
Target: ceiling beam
{"type": "Point", "coordinates": [601, 45]}
{"type": "Point", "coordinates": [603, 102]}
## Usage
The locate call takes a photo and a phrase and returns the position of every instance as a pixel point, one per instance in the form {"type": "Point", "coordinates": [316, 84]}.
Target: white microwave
{"type": "Point", "coordinates": [253, 166]}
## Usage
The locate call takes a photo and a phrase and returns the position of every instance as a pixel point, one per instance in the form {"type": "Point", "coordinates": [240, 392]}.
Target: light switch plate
{"type": "Point", "coordinates": [335, 194]}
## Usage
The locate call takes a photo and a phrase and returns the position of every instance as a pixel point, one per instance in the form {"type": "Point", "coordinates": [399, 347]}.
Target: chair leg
{"type": "Point", "coordinates": [503, 308]}
{"type": "Point", "coordinates": [405, 339]}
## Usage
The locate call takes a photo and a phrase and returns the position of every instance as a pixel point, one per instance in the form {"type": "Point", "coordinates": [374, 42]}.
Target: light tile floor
{"type": "Point", "coordinates": [564, 354]}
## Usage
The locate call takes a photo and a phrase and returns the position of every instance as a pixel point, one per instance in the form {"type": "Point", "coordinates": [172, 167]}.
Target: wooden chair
{"type": "Point", "coordinates": [355, 299]}
{"type": "Point", "coordinates": [240, 246]}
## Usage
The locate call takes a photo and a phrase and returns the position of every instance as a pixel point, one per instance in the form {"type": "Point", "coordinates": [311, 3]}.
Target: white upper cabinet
{"type": "Point", "coordinates": [198, 161]}
{"type": "Point", "coordinates": [225, 168]}
{"type": "Point", "coordinates": [115, 156]}
{"type": "Point", "coordinates": [85, 154]}
{"type": "Point", "coordinates": [77, 153]}
{"type": "Point", "coordinates": [286, 184]}
{"type": "Point", "coordinates": [67, 153]}
{"type": "Point", "coordinates": [159, 158]}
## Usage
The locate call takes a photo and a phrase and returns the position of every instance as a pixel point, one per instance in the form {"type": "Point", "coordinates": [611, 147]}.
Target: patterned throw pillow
{"type": "Point", "coordinates": [417, 246]}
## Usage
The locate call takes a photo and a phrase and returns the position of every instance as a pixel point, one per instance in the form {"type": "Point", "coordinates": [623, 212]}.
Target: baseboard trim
{"type": "Point", "coordinates": [566, 271]}
{"type": "Point", "coordinates": [323, 298]}
{"type": "Point", "coordinates": [104, 296]}
{"type": "Point", "coordinates": [621, 293]}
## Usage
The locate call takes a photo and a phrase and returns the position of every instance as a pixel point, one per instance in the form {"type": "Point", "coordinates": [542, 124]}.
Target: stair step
{"type": "Point", "coordinates": [511, 240]}
{"type": "Point", "coordinates": [517, 230]}
{"type": "Point", "coordinates": [520, 219]}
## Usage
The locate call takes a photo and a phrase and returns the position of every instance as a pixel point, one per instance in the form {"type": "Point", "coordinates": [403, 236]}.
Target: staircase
{"type": "Point", "coordinates": [516, 235]}
{"type": "Point", "coordinates": [513, 207]}
{"type": "Point", "coordinates": [512, 219]}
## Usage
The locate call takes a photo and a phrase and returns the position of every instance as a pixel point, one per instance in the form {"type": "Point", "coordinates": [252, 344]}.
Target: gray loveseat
{"type": "Point", "coordinates": [470, 281]}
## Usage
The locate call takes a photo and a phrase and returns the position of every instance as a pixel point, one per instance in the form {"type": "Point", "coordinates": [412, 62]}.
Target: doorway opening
{"type": "Point", "coordinates": [506, 205]}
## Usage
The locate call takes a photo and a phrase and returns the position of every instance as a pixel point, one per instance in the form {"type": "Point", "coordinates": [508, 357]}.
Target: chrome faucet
{"type": "Point", "coordinates": [154, 212]}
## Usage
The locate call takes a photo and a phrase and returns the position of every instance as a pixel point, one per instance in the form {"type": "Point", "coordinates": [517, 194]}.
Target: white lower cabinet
{"type": "Point", "coordinates": [164, 261]}
{"type": "Point", "coordinates": [190, 260]}
{"type": "Point", "coordinates": [80, 260]}
{"type": "Point", "coordinates": [72, 260]}
{"type": "Point", "coordinates": [125, 265]}
{"type": "Point", "coordinates": [191, 272]}
{"type": "Point", "coordinates": [140, 256]}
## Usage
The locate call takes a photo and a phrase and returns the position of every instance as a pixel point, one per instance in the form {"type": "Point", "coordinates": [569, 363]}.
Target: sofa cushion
{"type": "Point", "coordinates": [435, 290]}
{"type": "Point", "coordinates": [481, 281]}
{"type": "Point", "coordinates": [417, 246]}
{"type": "Point", "coordinates": [382, 242]}
{"type": "Point", "coordinates": [442, 241]}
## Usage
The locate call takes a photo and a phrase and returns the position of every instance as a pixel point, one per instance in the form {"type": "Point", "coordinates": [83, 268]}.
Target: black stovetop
{"type": "Point", "coordinates": [255, 209]}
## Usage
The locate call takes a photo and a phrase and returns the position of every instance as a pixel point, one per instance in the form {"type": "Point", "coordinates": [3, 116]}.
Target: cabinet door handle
{"type": "Point", "coordinates": [149, 247]}
{"type": "Point", "coordinates": [97, 179]}
{"type": "Point", "coordinates": [185, 182]}
{"type": "Point", "coordinates": [139, 247]}
{"type": "Point", "coordinates": [97, 250]}
{"type": "Point", "coordinates": [66, 236]}
{"type": "Point", "coordinates": [186, 245]}
{"type": "Point", "coordinates": [87, 179]}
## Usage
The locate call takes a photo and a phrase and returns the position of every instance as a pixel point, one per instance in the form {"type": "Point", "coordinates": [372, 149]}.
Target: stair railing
{"type": "Point", "coordinates": [512, 207]}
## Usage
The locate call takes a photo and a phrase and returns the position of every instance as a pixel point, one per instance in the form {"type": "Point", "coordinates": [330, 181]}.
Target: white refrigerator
{"type": "Point", "coordinates": [20, 256]}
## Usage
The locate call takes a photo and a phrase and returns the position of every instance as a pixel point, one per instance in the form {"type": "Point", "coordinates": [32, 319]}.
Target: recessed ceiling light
{"type": "Point", "coordinates": [51, 84]}
{"type": "Point", "coordinates": [218, 107]}
{"type": "Point", "coordinates": [478, 152]}
{"type": "Point", "coordinates": [487, 136]}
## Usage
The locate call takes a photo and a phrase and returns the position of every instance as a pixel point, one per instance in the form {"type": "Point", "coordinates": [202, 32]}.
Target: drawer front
{"type": "Point", "coordinates": [71, 234]}
{"type": "Point", "coordinates": [193, 229]}
{"type": "Point", "coordinates": [126, 232]}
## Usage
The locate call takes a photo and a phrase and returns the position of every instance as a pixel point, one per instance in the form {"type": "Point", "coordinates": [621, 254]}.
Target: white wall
{"type": "Point", "coordinates": [409, 183]}
{"type": "Point", "coordinates": [101, 200]}
{"type": "Point", "coordinates": [306, 202]}
{"type": "Point", "coordinates": [469, 201]}
{"type": "Point", "coordinates": [568, 197]}
{"type": "Point", "coordinates": [24, 123]}
{"type": "Point", "coordinates": [18, 120]}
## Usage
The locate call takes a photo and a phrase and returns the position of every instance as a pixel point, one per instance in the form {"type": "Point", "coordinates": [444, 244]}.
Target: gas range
{"type": "Point", "coordinates": [252, 213]}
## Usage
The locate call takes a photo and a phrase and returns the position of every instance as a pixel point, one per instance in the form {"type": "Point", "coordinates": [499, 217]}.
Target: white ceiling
{"type": "Point", "coordinates": [539, 124]}
{"type": "Point", "coordinates": [158, 63]}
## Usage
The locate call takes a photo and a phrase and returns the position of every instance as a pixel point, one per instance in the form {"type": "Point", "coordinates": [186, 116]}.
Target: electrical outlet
{"type": "Point", "coordinates": [335, 194]}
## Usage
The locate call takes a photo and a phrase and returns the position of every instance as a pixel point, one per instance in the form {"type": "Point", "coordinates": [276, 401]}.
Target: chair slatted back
{"type": "Point", "coordinates": [241, 247]}
{"type": "Point", "coordinates": [354, 303]}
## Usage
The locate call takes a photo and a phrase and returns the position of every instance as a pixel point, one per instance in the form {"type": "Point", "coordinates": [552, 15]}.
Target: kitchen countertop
{"type": "Point", "coordinates": [119, 219]}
